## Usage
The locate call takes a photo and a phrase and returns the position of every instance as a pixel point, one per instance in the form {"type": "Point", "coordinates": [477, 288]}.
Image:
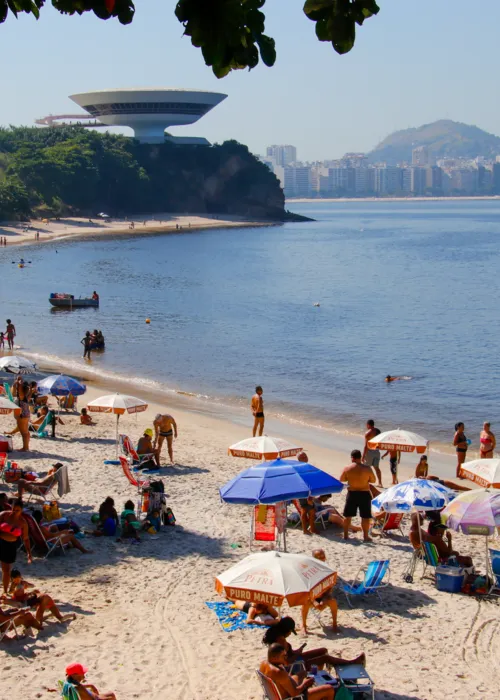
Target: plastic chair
{"type": "Point", "coordinates": [392, 521]}
{"type": "Point", "coordinates": [495, 568]}
{"type": "Point", "coordinates": [372, 581]}
{"type": "Point", "coordinates": [271, 691]}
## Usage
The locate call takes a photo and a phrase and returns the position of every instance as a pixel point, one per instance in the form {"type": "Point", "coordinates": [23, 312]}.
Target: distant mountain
{"type": "Point", "coordinates": [443, 138]}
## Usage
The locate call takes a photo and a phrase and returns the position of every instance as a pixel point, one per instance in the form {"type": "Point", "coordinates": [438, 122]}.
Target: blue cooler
{"type": "Point", "coordinates": [449, 579]}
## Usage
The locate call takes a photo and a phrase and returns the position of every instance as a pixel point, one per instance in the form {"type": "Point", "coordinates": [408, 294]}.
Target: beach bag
{"type": "Point", "coordinates": [157, 487]}
{"type": "Point", "coordinates": [168, 517]}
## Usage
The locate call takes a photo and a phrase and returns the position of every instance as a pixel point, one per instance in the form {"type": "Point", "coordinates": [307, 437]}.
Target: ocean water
{"type": "Point", "coordinates": [406, 288]}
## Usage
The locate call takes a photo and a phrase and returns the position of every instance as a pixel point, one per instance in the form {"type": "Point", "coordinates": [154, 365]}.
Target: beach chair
{"type": "Point", "coordinates": [67, 691]}
{"type": "Point", "coordinates": [271, 691]}
{"type": "Point", "coordinates": [41, 432]}
{"type": "Point", "coordinates": [495, 570]}
{"type": "Point", "coordinates": [60, 482]}
{"type": "Point", "coordinates": [321, 516]}
{"type": "Point", "coordinates": [129, 451]}
{"type": "Point", "coordinates": [38, 540]}
{"type": "Point", "coordinates": [430, 557]}
{"type": "Point", "coordinates": [392, 521]}
{"type": "Point", "coordinates": [68, 403]}
{"type": "Point", "coordinates": [140, 484]}
{"type": "Point", "coordinates": [9, 626]}
{"type": "Point", "coordinates": [372, 582]}
{"type": "Point", "coordinates": [356, 680]}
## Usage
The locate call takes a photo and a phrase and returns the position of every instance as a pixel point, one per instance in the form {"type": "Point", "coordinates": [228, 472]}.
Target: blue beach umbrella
{"type": "Point", "coordinates": [61, 385]}
{"type": "Point", "coordinates": [414, 494]}
{"type": "Point", "coordinates": [279, 480]}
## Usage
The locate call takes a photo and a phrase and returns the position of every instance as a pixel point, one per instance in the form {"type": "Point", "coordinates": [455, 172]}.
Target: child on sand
{"type": "Point", "coordinates": [394, 460]}
{"type": "Point", "coordinates": [85, 419]}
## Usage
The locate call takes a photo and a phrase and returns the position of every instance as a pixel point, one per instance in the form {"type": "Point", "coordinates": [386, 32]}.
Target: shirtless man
{"type": "Point", "coordinates": [165, 427]}
{"type": "Point", "coordinates": [326, 600]}
{"type": "Point", "coordinates": [488, 442]}
{"type": "Point", "coordinates": [372, 457]}
{"type": "Point", "coordinates": [10, 332]}
{"type": "Point", "coordinates": [257, 406]}
{"type": "Point", "coordinates": [291, 685]}
{"type": "Point", "coordinates": [358, 477]}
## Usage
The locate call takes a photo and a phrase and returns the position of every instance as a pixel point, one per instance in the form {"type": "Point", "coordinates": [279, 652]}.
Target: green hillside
{"type": "Point", "coordinates": [443, 138]}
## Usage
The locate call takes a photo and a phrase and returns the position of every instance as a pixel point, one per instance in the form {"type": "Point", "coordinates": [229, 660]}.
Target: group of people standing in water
{"type": "Point", "coordinates": [92, 341]}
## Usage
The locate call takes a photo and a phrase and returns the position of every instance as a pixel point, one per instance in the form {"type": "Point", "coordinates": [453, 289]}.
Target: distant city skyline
{"type": "Point", "coordinates": [323, 103]}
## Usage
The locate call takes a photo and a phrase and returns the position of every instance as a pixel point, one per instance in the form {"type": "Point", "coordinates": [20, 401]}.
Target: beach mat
{"type": "Point", "coordinates": [230, 619]}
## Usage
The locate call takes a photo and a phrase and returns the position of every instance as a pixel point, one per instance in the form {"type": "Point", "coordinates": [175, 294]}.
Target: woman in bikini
{"type": "Point", "coordinates": [461, 446]}
{"type": "Point", "coordinates": [13, 527]}
{"type": "Point", "coordinates": [317, 657]}
{"type": "Point", "coordinates": [488, 442]}
{"type": "Point", "coordinates": [23, 419]}
{"type": "Point", "coordinates": [20, 597]}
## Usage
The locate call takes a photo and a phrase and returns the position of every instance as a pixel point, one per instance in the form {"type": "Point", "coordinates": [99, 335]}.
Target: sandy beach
{"type": "Point", "coordinates": [18, 233]}
{"type": "Point", "coordinates": [142, 626]}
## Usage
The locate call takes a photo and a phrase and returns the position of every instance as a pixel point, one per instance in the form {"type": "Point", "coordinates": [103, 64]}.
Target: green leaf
{"type": "Point", "coordinates": [4, 10]}
{"type": "Point", "coordinates": [267, 48]}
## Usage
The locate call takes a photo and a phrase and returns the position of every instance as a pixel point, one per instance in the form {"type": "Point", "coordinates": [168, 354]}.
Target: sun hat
{"type": "Point", "coordinates": [76, 668]}
{"type": "Point", "coordinates": [149, 432]}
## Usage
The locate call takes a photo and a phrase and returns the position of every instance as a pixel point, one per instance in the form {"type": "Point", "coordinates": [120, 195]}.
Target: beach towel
{"type": "Point", "coordinates": [231, 619]}
{"type": "Point", "coordinates": [62, 479]}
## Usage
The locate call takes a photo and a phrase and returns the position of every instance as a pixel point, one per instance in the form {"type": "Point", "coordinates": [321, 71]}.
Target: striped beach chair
{"type": "Point", "coordinates": [430, 557]}
{"type": "Point", "coordinates": [371, 582]}
{"type": "Point", "coordinates": [495, 569]}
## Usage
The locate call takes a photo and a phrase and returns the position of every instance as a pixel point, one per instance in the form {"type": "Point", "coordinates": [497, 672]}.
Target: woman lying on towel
{"type": "Point", "coordinates": [258, 613]}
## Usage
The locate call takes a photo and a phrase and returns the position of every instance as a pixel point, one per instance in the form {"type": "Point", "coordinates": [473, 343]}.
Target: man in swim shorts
{"type": "Point", "coordinates": [257, 407]}
{"type": "Point", "coordinates": [165, 428]}
{"type": "Point", "coordinates": [358, 477]}
{"type": "Point", "coordinates": [372, 457]}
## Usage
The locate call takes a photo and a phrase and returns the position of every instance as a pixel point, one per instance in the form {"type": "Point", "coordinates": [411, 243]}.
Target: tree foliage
{"type": "Point", "coordinates": [71, 170]}
{"type": "Point", "coordinates": [230, 33]}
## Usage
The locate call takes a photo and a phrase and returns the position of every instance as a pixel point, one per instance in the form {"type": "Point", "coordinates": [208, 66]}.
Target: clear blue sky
{"type": "Point", "coordinates": [417, 61]}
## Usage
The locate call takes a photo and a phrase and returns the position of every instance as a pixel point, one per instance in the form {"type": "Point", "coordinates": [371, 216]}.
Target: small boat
{"type": "Point", "coordinates": [68, 301]}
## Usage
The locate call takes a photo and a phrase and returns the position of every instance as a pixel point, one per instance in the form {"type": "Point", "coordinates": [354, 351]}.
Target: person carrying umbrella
{"type": "Point", "coordinates": [358, 477]}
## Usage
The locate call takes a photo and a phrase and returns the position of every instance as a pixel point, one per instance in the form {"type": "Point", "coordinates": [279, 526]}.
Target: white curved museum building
{"type": "Point", "coordinates": [148, 111]}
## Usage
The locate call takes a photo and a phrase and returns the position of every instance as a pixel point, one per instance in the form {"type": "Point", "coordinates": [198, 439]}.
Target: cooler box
{"type": "Point", "coordinates": [449, 579]}
{"type": "Point", "coordinates": [5, 443]}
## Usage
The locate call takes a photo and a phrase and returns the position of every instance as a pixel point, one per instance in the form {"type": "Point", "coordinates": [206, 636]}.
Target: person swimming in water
{"type": "Point", "coordinates": [393, 379]}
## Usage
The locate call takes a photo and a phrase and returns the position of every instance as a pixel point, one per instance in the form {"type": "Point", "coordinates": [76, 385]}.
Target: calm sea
{"type": "Point", "coordinates": [406, 288]}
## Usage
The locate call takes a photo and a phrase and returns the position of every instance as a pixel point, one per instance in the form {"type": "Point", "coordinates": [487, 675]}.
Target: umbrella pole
{"type": "Point", "coordinates": [117, 420]}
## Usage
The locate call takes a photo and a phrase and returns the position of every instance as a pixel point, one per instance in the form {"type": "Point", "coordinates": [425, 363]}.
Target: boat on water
{"type": "Point", "coordinates": [68, 301]}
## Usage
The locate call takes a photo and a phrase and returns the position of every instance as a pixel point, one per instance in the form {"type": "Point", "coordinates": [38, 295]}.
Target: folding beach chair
{"type": "Point", "coordinates": [321, 516]}
{"type": "Point", "coordinates": [46, 546]}
{"type": "Point", "coordinates": [355, 678]}
{"type": "Point", "coordinates": [495, 570]}
{"type": "Point", "coordinates": [41, 431]}
{"type": "Point", "coordinates": [140, 484]}
{"type": "Point", "coordinates": [430, 557]}
{"type": "Point", "coordinates": [55, 489]}
{"type": "Point", "coordinates": [67, 690]}
{"type": "Point", "coordinates": [271, 691]}
{"type": "Point", "coordinates": [9, 626]}
{"type": "Point", "coordinates": [372, 581]}
{"type": "Point", "coordinates": [68, 403]}
{"type": "Point", "coordinates": [131, 453]}
{"type": "Point", "coordinates": [392, 521]}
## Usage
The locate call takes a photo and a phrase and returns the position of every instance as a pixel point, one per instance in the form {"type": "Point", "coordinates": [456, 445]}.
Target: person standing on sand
{"type": "Point", "coordinates": [461, 446]}
{"type": "Point", "coordinates": [358, 477]}
{"type": "Point", "coordinates": [372, 457]}
{"type": "Point", "coordinates": [10, 332]}
{"type": "Point", "coordinates": [325, 600]}
{"type": "Point", "coordinates": [86, 341]}
{"type": "Point", "coordinates": [165, 427]}
{"type": "Point", "coordinates": [257, 408]}
{"type": "Point", "coordinates": [488, 442]}
{"type": "Point", "coordinates": [394, 460]}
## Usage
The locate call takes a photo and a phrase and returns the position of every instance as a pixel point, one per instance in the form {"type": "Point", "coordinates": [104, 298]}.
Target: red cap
{"type": "Point", "coordinates": [76, 668]}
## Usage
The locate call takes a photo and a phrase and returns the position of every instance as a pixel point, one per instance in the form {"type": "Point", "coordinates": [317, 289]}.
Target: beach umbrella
{"type": "Point", "coordinates": [414, 494]}
{"type": "Point", "coordinates": [61, 385]}
{"type": "Point", "coordinates": [17, 365]}
{"type": "Point", "coordinates": [264, 447]}
{"type": "Point", "coordinates": [475, 512]}
{"type": "Point", "coordinates": [118, 404]}
{"type": "Point", "coordinates": [280, 480]}
{"type": "Point", "coordinates": [402, 440]}
{"type": "Point", "coordinates": [485, 472]}
{"type": "Point", "coordinates": [8, 406]}
{"type": "Point", "coordinates": [272, 577]}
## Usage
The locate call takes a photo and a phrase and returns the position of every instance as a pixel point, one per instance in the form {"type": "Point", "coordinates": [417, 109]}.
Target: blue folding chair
{"type": "Point", "coordinates": [372, 581]}
{"type": "Point", "coordinates": [495, 568]}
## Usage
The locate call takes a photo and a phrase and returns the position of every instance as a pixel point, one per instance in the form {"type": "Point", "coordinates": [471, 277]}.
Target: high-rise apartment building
{"type": "Point", "coordinates": [295, 180]}
{"type": "Point", "coordinates": [420, 156]}
{"type": "Point", "coordinates": [283, 155]}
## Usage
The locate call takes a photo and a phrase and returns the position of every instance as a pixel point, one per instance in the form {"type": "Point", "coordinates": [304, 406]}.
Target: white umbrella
{"type": "Point", "coordinates": [264, 447]}
{"type": "Point", "coordinates": [118, 404]}
{"type": "Point", "coordinates": [485, 472]}
{"type": "Point", "coordinates": [17, 365]}
{"type": "Point", "coordinates": [270, 577]}
{"type": "Point", "coordinates": [8, 406]}
{"type": "Point", "coordinates": [402, 440]}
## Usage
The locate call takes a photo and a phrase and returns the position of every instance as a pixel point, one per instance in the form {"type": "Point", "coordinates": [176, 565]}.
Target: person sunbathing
{"type": "Point", "coordinates": [334, 517]}
{"type": "Point", "coordinates": [20, 597]}
{"type": "Point", "coordinates": [290, 684]}
{"type": "Point", "coordinates": [422, 472]}
{"type": "Point", "coordinates": [52, 534]}
{"type": "Point", "coordinates": [258, 613]}
{"type": "Point", "coordinates": [85, 419]}
{"type": "Point", "coordinates": [26, 619]}
{"type": "Point", "coordinates": [75, 676]}
{"type": "Point", "coordinates": [314, 657]}
{"type": "Point", "coordinates": [39, 486]}
{"type": "Point", "coordinates": [325, 600]}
